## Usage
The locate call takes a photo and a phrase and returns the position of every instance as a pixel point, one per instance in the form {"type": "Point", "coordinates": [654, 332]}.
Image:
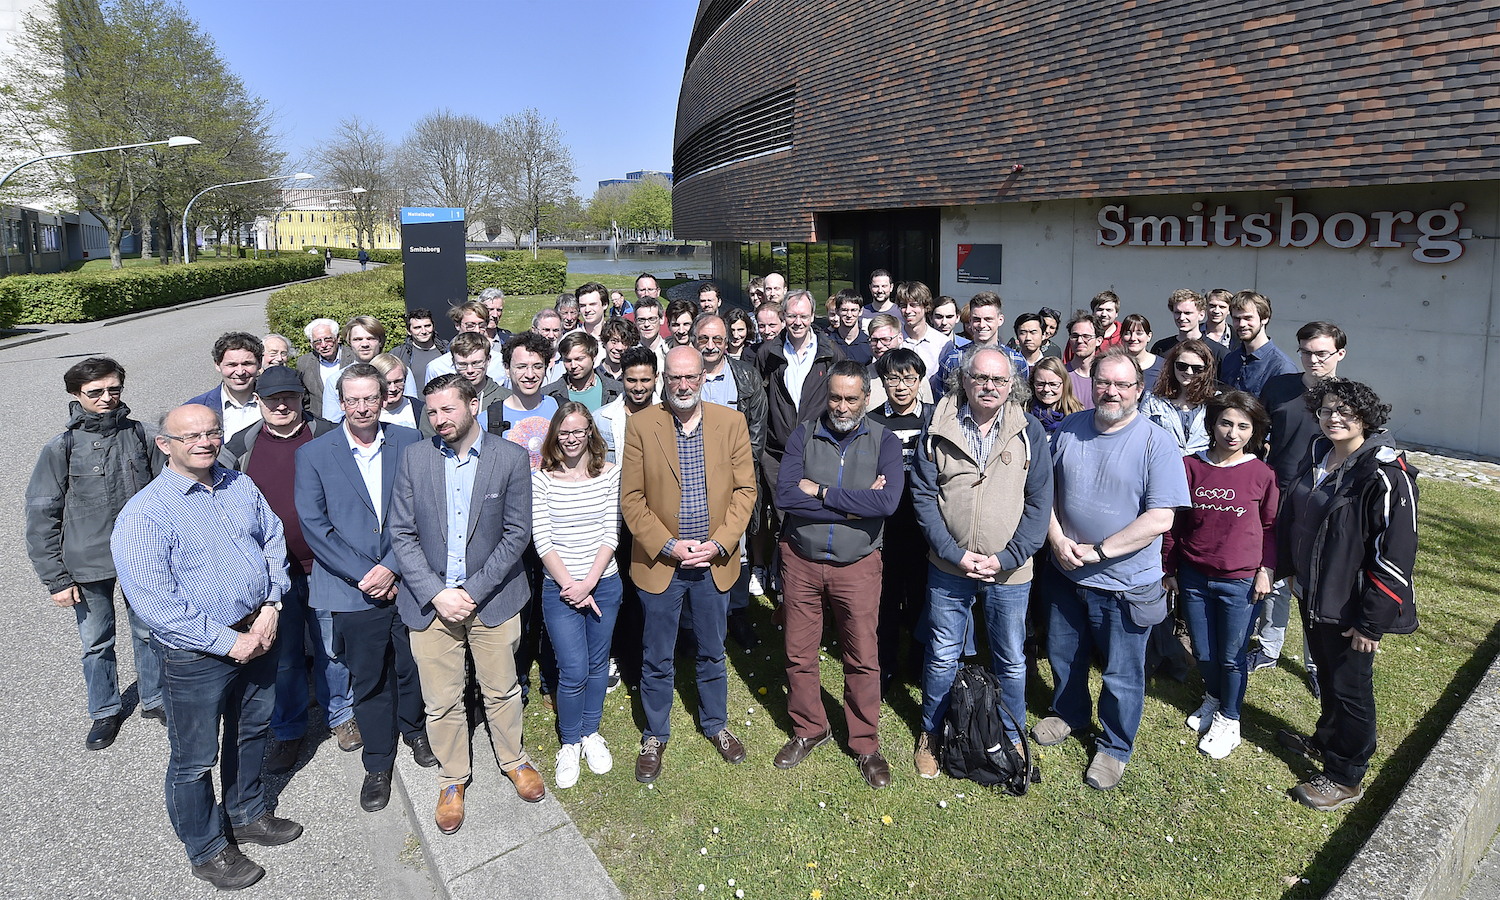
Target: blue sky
{"type": "Point", "coordinates": [607, 70]}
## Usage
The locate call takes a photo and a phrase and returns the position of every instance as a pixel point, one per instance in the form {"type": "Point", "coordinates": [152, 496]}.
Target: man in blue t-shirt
{"type": "Point", "coordinates": [1118, 479]}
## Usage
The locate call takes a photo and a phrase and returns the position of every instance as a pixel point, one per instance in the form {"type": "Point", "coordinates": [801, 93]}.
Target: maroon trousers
{"type": "Point", "coordinates": [853, 592]}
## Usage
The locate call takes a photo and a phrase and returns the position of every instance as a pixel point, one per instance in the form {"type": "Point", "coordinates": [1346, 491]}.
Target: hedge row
{"type": "Point", "coordinates": [380, 256]}
{"type": "Point", "coordinates": [375, 293]}
{"type": "Point", "coordinates": [87, 296]}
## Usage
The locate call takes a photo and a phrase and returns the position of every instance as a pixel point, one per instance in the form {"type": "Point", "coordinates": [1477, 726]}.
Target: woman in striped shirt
{"type": "Point", "coordinates": [575, 514]}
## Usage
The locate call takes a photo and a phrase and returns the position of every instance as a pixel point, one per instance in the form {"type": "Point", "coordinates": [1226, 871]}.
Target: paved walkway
{"type": "Point", "coordinates": [93, 824]}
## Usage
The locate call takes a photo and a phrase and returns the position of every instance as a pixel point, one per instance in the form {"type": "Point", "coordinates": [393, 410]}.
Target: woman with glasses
{"type": "Point", "coordinates": [1347, 536]}
{"type": "Point", "coordinates": [1052, 398]}
{"type": "Point", "coordinates": [1219, 557]}
{"type": "Point", "coordinates": [741, 331]}
{"type": "Point", "coordinates": [398, 409]}
{"type": "Point", "coordinates": [575, 516]}
{"type": "Point", "coordinates": [1179, 400]}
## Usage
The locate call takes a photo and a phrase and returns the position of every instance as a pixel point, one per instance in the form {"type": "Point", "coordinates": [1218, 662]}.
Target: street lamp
{"type": "Point", "coordinates": [276, 219]}
{"type": "Point", "coordinates": [300, 176]}
{"type": "Point", "coordinates": [174, 141]}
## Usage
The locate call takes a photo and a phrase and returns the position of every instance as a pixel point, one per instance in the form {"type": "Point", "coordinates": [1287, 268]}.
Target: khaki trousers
{"type": "Point", "coordinates": [439, 652]}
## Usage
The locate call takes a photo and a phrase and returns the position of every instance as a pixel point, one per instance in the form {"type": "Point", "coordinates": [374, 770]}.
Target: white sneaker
{"type": "Point", "coordinates": [614, 677]}
{"type": "Point", "coordinates": [1223, 736]}
{"type": "Point", "coordinates": [597, 754]}
{"type": "Point", "coordinates": [567, 766]}
{"type": "Point", "coordinates": [757, 578]}
{"type": "Point", "coordinates": [1203, 718]}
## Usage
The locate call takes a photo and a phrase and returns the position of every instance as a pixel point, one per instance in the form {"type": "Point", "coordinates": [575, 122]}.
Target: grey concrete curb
{"type": "Point", "coordinates": [506, 847]}
{"type": "Point", "coordinates": [1442, 823]}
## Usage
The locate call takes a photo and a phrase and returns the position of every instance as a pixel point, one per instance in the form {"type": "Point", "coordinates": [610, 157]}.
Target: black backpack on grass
{"type": "Point", "coordinates": [975, 745]}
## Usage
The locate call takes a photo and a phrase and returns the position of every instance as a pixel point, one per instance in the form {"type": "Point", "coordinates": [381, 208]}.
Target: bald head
{"type": "Point", "coordinates": [191, 437]}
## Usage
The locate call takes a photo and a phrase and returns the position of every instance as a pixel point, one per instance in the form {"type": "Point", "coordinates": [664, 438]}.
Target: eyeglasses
{"type": "Point", "coordinates": [470, 366]}
{"type": "Point", "coordinates": [885, 341]}
{"type": "Point", "coordinates": [96, 393]}
{"type": "Point", "coordinates": [573, 435]}
{"type": "Point", "coordinates": [1117, 385]}
{"type": "Point", "coordinates": [215, 434]}
{"type": "Point", "coordinates": [682, 379]}
{"type": "Point", "coordinates": [1343, 412]}
{"type": "Point", "coordinates": [904, 380]}
{"type": "Point", "coordinates": [1080, 337]}
{"type": "Point", "coordinates": [1316, 356]}
{"type": "Point", "coordinates": [715, 341]}
{"type": "Point", "coordinates": [1048, 385]}
{"type": "Point", "coordinates": [990, 380]}
{"type": "Point", "coordinates": [1187, 368]}
{"type": "Point", "coordinates": [361, 402]}
{"type": "Point", "coordinates": [324, 340]}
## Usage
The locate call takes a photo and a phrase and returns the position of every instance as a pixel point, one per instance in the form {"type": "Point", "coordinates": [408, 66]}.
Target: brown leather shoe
{"type": "Point", "coordinates": [648, 764]}
{"type": "Point", "coordinates": [729, 746]}
{"type": "Point", "coordinates": [528, 782]}
{"type": "Point", "coordinates": [796, 749]}
{"type": "Point", "coordinates": [348, 735]}
{"type": "Point", "coordinates": [450, 809]}
{"type": "Point", "coordinates": [875, 769]}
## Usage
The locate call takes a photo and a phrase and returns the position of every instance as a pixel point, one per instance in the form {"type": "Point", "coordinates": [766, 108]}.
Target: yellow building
{"type": "Point", "coordinates": [311, 218]}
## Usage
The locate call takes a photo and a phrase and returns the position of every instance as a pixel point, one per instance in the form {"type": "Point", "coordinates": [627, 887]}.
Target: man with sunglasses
{"type": "Point", "coordinates": [68, 520]}
{"type": "Point", "coordinates": [202, 559]}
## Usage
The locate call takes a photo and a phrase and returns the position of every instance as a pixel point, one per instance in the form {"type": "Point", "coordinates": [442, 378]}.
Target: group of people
{"type": "Point", "coordinates": [615, 482]}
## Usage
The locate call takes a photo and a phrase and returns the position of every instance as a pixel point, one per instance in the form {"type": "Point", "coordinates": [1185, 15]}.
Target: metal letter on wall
{"type": "Point", "coordinates": [432, 251]}
{"type": "Point", "coordinates": [979, 263]}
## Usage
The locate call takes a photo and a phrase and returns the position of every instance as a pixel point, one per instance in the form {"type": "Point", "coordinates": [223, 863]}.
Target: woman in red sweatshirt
{"type": "Point", "coordinates": [1219, 557]}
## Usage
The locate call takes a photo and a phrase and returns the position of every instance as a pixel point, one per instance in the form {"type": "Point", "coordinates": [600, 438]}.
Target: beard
{"type": "Point", "coordinates": [844, 425]}
{"type": "Point", "coordinates": [683, 404]}
{"type": "Point", "coordinates": [1116, 415]}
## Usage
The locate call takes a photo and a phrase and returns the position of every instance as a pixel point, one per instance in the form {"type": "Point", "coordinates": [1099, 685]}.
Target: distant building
{"type": "Point", "coordinates": [638, 177]}
{"type": "Point", "coordinates": [313, 218]}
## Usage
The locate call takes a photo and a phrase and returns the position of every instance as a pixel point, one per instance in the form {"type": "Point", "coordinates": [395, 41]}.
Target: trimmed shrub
{"type": "Point", "coordinates": [341, 298]}
{"type": "Point", "coordinates": [86, 297]}
{"type": "Point", "coordinates": [524, 275]}
{"type": "Point", "coordinates": [380, 256]}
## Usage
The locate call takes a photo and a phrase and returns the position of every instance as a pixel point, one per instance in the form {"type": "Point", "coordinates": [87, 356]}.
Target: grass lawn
{"type": "Point", "coordinates": [1179, 825]}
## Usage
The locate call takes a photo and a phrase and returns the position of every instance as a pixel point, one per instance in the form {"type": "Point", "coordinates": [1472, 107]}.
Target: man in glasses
{"type": "Point", "coordinates": [470, 317]}
{"type": "Point", "coordinates": [1321, 345]}
{"type": "Point", "coordinates": [68, 521]}
{"type": "Point", "coordinates": [267, 453]}
{"type": "Point", "coordinates": [202, 560]}
{"type": "Point", "coordinates": [469, 356]}
{"type": "Point", "coordinates": [1118, 481]}
{"type": "Point", "coordinates": [1083, 340]}
{"type": "Point", "coordinates": [319, 367]}
{"type": "Point", "coordinates": [237, 356]}
{"type": "Point", "coordinates": [983, 491]}
{"type": "Point", "coordinates": [886, 335]}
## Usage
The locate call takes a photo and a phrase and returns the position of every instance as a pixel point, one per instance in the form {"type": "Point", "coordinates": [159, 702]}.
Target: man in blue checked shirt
{"type": "Point", "coordinates": [202, 561]}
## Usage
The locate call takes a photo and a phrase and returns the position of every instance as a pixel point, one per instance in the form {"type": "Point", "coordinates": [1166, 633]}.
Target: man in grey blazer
{"type": "Point", "coordinates": [344, 484]}
{"type": "Point", "coordinates": [321, 365]}
{"type": "Point", "coordinates": [454, 595]}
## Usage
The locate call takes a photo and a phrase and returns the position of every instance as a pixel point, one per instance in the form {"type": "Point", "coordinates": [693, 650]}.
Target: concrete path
{"type": "Point", "coordinates": [93, 824]}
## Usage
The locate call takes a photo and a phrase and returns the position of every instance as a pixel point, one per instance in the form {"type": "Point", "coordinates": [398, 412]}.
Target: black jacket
{"type": "Point", "coordinates": [1365, 543]}
{"type": "Point", "coordinates": [558, 389]}
{"type": "Point", "coordinates": [782, 414]}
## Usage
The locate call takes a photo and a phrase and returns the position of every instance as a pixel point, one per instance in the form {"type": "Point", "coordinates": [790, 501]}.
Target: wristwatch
{"type": "Point", "coordinates": [1099, 549]}
{"type": "Point", "coordinates": [274, 604]}
{"type": "Point", "coordinates": [822, 492]}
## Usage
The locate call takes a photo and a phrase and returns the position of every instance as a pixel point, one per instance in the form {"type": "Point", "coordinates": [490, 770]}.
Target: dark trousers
{"type": "Point", "coordinates": [1346, 728]}
{"type": "Point", "coordinates": [853, 591]}
{"type": "Point", "coordinates": [376, 647]}
{"type": "Point", "coordinates": [903, 593]}
{"type": "Point", "coordinates": [630, 625]}
{"type": "Point", "coordinates": [202, 691]}
{"type": "Point", "coordinates": [535, 647]}
{"type": "Point", "coordinates": [694, 590]}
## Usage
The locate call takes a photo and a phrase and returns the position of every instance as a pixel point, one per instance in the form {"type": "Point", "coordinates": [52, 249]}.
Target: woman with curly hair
{"type": "Point", "coordinates": [1052, 398]}
{"type": "Point", "coordinates": [575, 515]}
{"type": "Point", "coordinates": [1219, 557]}
{"type": "Point", "coordinates": [1179, 401]}
{"type": "Point", "coordinates": [1347, 536]}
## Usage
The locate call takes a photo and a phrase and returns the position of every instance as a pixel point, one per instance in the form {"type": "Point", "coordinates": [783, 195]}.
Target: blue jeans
{"type": "Point", "coordinates": [96, 631]}
{"type": "Point", "coordinates": [949, 602]}
{"type": "Point", "coordinates": [330, 675]}
{"type": "Point", "coordinates": [1275, 615]}
{"type": "Point", "coordinates": [199, 690]}
{"type": "Point", "coordinates": [581, 642]}
{"type": "Point", "coordinates": [709, 609]}
{"type": "Point", "coordinates": [1220, 614]}
{"type": "Point", "coordinates": [1082, 619]}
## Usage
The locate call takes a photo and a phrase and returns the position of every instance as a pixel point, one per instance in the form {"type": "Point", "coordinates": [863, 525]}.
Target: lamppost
{"type": "Point", "coordinates": [174, 141]}
{"type": "Point", "coordinates": [186, 247]}
{"type": "Point", "coordinates": [276, 219]}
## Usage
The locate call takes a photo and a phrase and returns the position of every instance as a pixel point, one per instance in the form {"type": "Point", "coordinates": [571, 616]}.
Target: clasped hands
{"type": "Point", "coordinates": [691, 554]}
{"type": "Point", "coordinates": [260, 638]}
{"type": "Point", "coordinates": [580, 595]}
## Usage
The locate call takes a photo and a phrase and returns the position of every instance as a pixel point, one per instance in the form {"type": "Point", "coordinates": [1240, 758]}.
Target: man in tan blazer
{"type": "Point", "coordinates": [687, 528]}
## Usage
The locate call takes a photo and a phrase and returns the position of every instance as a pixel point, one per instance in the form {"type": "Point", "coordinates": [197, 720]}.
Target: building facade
{"type": "Point", "coordinates": [1338, 157]}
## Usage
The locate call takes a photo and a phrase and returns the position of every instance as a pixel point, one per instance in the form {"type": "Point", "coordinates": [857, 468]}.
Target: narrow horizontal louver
{"type": "Point", "coordinates": [761, 126]}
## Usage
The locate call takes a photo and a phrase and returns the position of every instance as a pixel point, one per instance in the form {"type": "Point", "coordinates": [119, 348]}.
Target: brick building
{"type": "Point", "coordinates": [1339, 157]}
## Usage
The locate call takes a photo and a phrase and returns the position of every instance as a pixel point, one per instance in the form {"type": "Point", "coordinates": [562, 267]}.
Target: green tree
{"type": "Point", "coordinates": [536, 171]}
{"type": "Point", "coordinates": [650, 208]}
{"type": "Point", "coordinates": [358, 156]}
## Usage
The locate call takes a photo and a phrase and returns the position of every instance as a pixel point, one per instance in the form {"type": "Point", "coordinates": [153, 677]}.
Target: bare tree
{"type": "Point", "coordinates": [357, 156]}
{"type": "Point", "coordinates": [452, 161]}
{"type": "Point", "coordinates": [537, 172]}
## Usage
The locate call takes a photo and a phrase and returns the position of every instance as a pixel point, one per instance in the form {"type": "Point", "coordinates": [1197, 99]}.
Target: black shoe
{"type": "Point", "coordinates": [281, 760]}
{"type": "Point", "coordinates": [103, 733]}
{"type": "Point", "coordinates": [268, 831]}
{"type": "Point", "coordinates": [231, 870]}
{"type": "Point", "coordinates": [159, 714]}
{"type": "Point", "coordinates": [740, 630]}
{"type": "Point", "coordinates": [376, 791]}
{"type": "Point", "coordinates": [1299, 744]}
{"type": "Point", "coordinates": [421, 750]}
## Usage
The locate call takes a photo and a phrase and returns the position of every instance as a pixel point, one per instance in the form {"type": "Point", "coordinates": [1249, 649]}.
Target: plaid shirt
{"type": "Point", "coordinates": [692, 515]}
{"type": "Point", "coordinates": [979, 444]}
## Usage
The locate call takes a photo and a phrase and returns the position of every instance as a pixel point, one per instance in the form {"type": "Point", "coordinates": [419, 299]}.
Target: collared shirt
{"type": "Point", "coordinates": [929, 346]}
{"type": "Point", "coordinates": [237, 417]}
{"type": "Point", "coordinates": [367, 460]}
{"type": "Point", "coordinates": [458, 479]}
{"type": "Point", "coordinates": [329, 372]}
{"type": "Point", "coordinates": [1246, 370]}
{"type": "Point", "coordinates": [721, 388]}
{"type": "Point", "coordinates": [195, 560]}
{"type": "Point", "coordinates": [979, 443]}
{"type": "Point", "coordinates": [692, 514]}
{"type": "Point", "coordinates": [798, 365]}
